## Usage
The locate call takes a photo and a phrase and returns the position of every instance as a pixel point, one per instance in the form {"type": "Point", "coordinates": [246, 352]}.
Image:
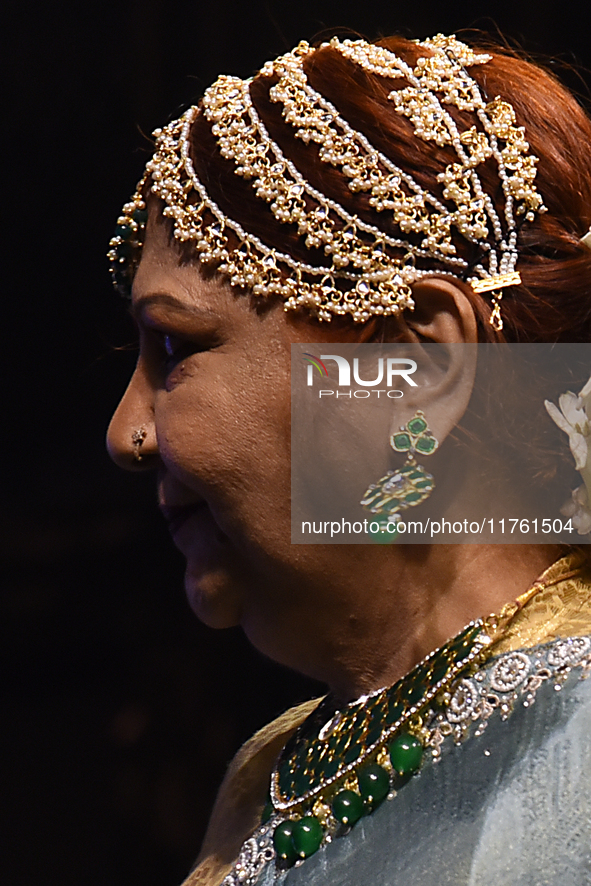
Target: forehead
{"type": "Point", "coordinates": [171, 274]}
{"type": "Point", "coordinates": [167, 269]}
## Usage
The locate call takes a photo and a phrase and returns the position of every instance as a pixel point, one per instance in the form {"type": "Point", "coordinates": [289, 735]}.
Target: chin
{"type": "Point", "coordinates": [212, 599]}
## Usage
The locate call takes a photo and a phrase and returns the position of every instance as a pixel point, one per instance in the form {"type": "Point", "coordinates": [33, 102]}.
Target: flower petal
{"type": "Point", "coordinates": [585, 392]}
{"type": "Point", "coordinates": [557, 417]}
{"type": "Point", "coordinates": [577, 508]}
{"type": "Point", "coordinates": [569, 508]}
{"type": "Point", "coordinates": [572, 409]}
{"type": "Point", "coordinates": [579, 449]}
{"type": "Point", "coordinates": [582, 522]}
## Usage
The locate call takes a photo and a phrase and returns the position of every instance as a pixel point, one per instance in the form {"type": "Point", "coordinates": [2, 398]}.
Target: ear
{"type": "Point", "coordinates": [444, 323]}
{"type": "Point", "coordinates": [443, 313]}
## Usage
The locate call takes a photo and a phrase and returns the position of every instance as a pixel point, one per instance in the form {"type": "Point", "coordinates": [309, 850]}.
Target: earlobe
{"type": "Point", "coordinates": [429, 411]}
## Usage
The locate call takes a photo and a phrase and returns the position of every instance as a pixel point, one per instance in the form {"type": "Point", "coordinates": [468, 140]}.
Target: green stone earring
{"type": "Point", "coordinates": [407, 487]}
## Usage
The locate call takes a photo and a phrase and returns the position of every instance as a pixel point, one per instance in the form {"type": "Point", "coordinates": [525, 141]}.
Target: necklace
{"type": "Point", "coordinates": [342, 763]}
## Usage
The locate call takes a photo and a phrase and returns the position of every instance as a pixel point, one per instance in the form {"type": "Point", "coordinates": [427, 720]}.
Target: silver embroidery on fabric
{"type": "Point", "coordinates": [463, 702]}
{"type": "Point", "coordinates": [504, 681]}
{"type": "Point", "coordinates": [510, 671]}
{"type": "Point", "coordinates": [256, 852]}
{"type": "Point", "coordinates": [569, 652]}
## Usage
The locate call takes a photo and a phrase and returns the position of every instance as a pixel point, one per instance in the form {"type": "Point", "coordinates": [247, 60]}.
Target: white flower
{"type": "Point", "coordinates": [573, 418]}
{"type": "Point", "coordinates": [577, 508]}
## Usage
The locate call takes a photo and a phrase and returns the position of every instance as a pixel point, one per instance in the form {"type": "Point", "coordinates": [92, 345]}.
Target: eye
{"type": "Point", "coordinates": [171, 344]}
{"type": "Point", "coordinates": [175, 349]}
{"type": "Point", "coordinates": [170, 341]}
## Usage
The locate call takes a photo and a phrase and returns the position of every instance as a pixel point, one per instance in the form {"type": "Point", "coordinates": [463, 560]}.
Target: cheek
{"type": "Point", "coordinates": [226, 435]}
{"type": "Point", "coordinates": [194, 423]}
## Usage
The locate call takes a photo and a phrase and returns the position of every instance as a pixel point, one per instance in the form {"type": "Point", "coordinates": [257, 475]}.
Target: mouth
{"type": "Point", "coordinates": [177, 515]}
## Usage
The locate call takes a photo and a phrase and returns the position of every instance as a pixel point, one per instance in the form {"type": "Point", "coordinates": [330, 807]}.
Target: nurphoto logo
{"type": "Point", "coordinates": [388, 371]}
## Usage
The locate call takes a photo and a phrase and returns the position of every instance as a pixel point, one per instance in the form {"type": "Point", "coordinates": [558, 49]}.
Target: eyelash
{"type": "Point", "coordinates": [174, 349]}
{"type": "Point", "coordinates": [170, 348]}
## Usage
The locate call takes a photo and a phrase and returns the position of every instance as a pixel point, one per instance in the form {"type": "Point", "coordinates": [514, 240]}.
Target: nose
{"type": "Point", "coordinates": [131, 438]}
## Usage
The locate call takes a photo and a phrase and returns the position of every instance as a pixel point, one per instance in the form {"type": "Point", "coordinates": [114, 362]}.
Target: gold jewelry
{"type": "Point", "coordinates": [342, 762]}
{"type": "Point", "coordinates": [366, 271]}
{"type": "Point", "coordinates": [408, 487]}
{"type": "Point", "coordinates": [137, 440]}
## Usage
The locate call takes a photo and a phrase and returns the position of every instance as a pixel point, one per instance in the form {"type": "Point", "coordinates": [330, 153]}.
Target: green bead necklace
{"type": "Point", "coordinates": [341, 764]}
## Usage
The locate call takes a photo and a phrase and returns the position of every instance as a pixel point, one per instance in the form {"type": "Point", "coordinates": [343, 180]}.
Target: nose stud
{"type": "Point", "coordinates": [137, 438]}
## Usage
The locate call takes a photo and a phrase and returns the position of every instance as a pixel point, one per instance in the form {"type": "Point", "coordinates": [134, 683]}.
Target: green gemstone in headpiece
{"type": "Point", "coordinates": [140, 216]}
{"type": "Point", "coordinates": [124, 249]}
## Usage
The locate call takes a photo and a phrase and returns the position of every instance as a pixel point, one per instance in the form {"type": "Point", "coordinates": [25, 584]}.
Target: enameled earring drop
{"type": "Point", "coordinates": [408, 486]}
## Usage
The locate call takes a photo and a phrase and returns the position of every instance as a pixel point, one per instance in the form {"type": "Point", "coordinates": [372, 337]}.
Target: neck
{"type": "Point", "coordinates": [368, 634]}
{"type": "Point", "coordinates": [445, 587]}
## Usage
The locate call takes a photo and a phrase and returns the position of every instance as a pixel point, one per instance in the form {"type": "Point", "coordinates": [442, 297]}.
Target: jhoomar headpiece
{"type": "Point", "coordinates": [363, 271]}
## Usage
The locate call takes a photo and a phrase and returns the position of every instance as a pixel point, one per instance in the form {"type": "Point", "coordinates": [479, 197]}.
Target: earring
{"type": "Point", "coordinates": [407, 487]}
{"type": "Point", "coordinates": [137, 439]}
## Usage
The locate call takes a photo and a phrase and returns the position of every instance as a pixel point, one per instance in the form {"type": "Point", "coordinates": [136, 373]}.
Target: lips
{"type": "Point", "coordinates": [177, 515]}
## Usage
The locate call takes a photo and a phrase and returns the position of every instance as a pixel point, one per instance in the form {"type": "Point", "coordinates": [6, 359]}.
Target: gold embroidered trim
{"type": "Point", "coordinates": [558, 605]}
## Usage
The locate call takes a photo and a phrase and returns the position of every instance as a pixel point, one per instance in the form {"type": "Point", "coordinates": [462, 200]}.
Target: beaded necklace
{"type": "Point", "coordinates": [341, 764]}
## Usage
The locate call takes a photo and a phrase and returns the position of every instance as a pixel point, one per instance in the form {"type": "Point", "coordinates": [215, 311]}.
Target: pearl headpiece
{"type": "Point", "coordinates": [363, 271]}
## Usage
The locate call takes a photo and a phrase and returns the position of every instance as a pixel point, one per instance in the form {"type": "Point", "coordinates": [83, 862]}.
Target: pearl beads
{"type": "Point", "coordinates": [352, 250]}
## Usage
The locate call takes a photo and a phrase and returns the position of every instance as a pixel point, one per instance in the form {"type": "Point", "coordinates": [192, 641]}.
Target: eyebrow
{"type": "Point", "coordinates": [140, 305]}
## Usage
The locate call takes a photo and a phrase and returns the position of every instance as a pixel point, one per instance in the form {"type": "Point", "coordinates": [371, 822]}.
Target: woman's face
{"type": "Point", "coordinates": [212, 392]}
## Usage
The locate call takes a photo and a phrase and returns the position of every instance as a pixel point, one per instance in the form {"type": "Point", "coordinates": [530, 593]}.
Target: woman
{"type": "Point", "coordinates": [351, 194]}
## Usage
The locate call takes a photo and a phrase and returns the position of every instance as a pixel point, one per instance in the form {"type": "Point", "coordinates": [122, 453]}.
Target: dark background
{"type": "Point", "coordinates": [119, 711]}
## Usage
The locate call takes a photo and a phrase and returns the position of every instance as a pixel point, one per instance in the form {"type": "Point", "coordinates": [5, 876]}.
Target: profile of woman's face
{"type": "Point", "coordinates": [212, 391]}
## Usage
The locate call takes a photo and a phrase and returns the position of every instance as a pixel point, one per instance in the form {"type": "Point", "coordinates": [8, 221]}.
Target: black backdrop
{"type": "Point", "coordinates": [119, 711]}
